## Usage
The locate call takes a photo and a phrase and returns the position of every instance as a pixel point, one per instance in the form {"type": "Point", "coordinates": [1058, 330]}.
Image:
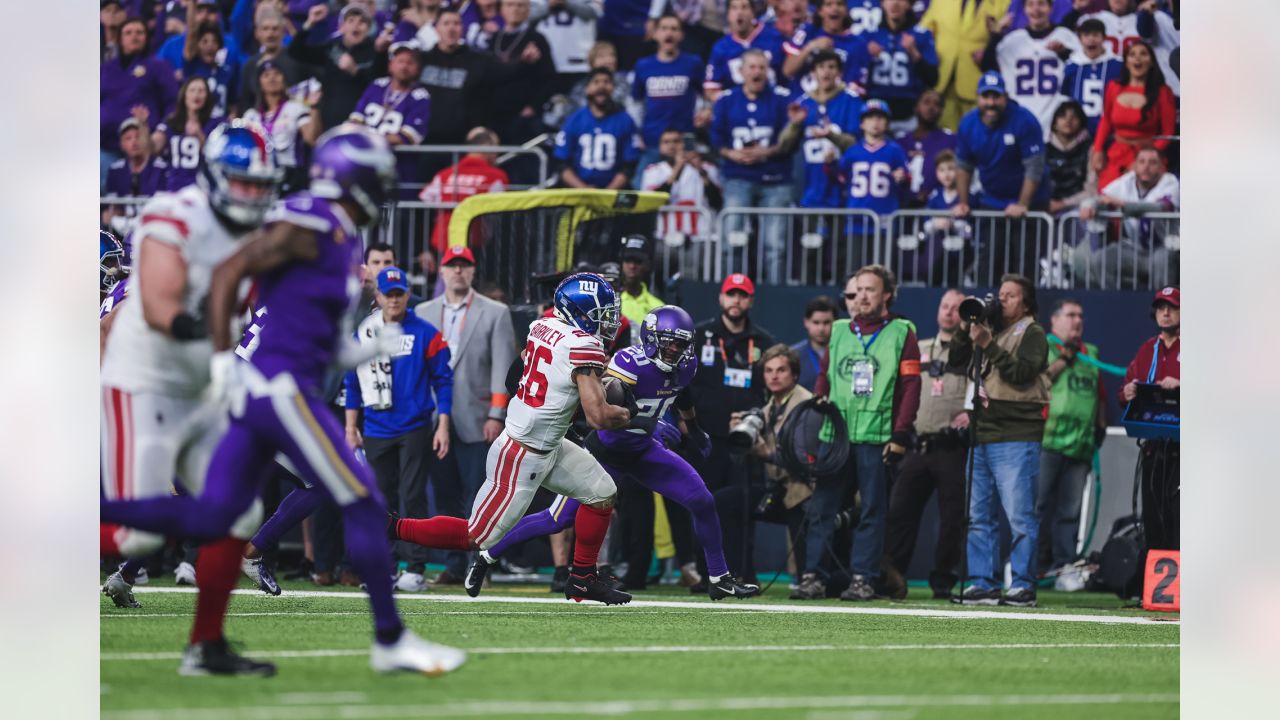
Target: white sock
{"type": "Point", "coordinates": [485, 556]}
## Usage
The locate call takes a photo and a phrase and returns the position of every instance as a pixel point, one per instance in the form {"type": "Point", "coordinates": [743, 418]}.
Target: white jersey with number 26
{"type": "Point", "coordinates": [547, 398]}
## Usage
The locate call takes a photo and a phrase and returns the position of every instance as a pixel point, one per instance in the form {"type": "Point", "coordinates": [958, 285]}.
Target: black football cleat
{"type": "Point", "coordinates": [730, 586]}
{"type": "Point", "coordinates": [214, 657]}
{"type": "Point", "coordinates": [594, 587]}
{"type": "Point", "coordinates": [473, 581]}
{"type": "Point", "coordinates": [392, 520]}
{"type": "Point", "coordinates": [560, 579]}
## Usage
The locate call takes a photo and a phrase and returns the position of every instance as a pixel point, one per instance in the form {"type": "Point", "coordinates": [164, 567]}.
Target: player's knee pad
{"type": "Point", "coordinates": [138, 544]}
{"type": "Point", "coordinates": [248, 523]}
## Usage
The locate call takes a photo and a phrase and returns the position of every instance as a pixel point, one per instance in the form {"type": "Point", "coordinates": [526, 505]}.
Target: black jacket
{"type": "Point", "coordinates": [340, 90]}
{"type": "Point", "coordinates": [520, 84]}
{"type": "Point", "coordinates": [458, 83]}
{"type": "Point", "coordinates": [713, 400]}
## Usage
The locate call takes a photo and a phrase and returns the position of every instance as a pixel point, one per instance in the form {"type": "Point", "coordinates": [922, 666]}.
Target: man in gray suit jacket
{"type": "Point", "coordinates": [482, 347]}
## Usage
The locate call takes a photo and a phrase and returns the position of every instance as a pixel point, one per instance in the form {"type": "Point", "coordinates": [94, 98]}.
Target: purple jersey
{"type": "Point", "coordinates": [126, 82]}
{"type": "Point", "coordinates": [401, 117]}
{"type": "Point", "coordinates": [310, 301]}
{"type": "Point", "coordinates": [473, 33]}
{"type": "Point", "coordinates": [114, 298]}
{"type": "Point", "coordinates": [655, 392]}
{"type": "Point", "coordinates": [183, 153]}
{"type": "Point", "coordinates": [124, 182]}
{"type": "Point", "coordinates": [922, 154]}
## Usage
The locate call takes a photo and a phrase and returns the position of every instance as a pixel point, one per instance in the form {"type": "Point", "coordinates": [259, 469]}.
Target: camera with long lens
{"type": "Point", "coordinates": [985, 310]}
{"type": "Point", "coordinates": [743, 435]}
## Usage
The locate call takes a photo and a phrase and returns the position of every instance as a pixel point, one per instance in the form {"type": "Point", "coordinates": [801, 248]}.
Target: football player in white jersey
{"type": "Point", "coordinates": [564, 359]}
{"type": "Point", "coordinates": [156, 422]}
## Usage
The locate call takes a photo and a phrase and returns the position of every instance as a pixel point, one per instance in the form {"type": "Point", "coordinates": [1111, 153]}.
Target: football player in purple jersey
{"type": "Point", "coordinates": [657, 371]}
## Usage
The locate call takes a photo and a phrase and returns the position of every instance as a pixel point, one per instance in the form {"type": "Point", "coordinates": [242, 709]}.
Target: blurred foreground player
{"type": "Point", "coordinates": [657, 371]}
{"type": "Point", "coordinates": [306, 262]}
{"type": "Point", "coordinates": [156, 422]}
{"type": "Point", "coordinates": [564, 359]}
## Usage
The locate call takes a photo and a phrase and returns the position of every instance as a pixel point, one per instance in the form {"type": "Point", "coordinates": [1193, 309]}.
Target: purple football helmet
{"type": "Point", "coordinates": [352, 162]}
{"type": "Point", "coordinates": [666, 336]}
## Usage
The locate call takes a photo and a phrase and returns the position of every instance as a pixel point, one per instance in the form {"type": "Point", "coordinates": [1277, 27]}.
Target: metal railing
{"type": "Point", "coordinates": [797, 246]}
{"type": "Point", "coordinates": [688, 245]}
{"type": "Point", "coordinates": [506, 154]}
{"type": "Point", "coordinates": [1113, 251]}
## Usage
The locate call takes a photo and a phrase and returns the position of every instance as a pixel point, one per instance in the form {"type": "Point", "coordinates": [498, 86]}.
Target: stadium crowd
{"type": "Point", "coordinates": [1012, 106]}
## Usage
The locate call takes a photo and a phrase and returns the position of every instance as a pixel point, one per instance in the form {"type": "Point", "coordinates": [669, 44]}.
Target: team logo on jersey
{"type": "Point", "coordinates": [139, 71]}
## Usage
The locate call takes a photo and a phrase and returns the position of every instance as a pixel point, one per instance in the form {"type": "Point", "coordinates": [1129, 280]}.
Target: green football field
{"type": "Point", "coordinates": [667, 655]}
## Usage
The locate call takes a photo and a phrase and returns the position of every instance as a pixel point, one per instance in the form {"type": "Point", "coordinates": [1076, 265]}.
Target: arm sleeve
{"type": "Point", "coordinates": [1104, 123]}
{"type": "Point", "coordinates": [1146, 25]}
{"type": "Point", "coordinates": [906, 393]}
{"type": "Point", "coordinates": [353, 398]}
{"type": "Point", "coordinates": [437, 357]}
{"type": "Point", "coordinates": [1168, 116]}
{"type": "Point", "coordinates": [1027, 364]}
{"type": "Point", "coordinates": [502, 346]}
{"type": "Point", "coordinates": [242, 22]}
{"type": "Point", "coordinates": [990, 61]}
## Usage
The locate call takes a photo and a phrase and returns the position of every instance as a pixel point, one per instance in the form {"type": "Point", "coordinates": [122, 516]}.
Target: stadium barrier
{"type": "Point", "coordinates": [796, 246]}
{"type": "Point", "coordinates": [1117, 252]}
{"type": "Point", "coordinates": [506, 154]}
{"type": "Point", "coordinates": [930, 248]}
{"type": "Point", "coordinates": [688, 243]}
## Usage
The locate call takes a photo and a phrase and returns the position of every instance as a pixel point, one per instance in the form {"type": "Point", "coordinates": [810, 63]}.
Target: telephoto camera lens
{"type": "Point", "coordinates": [743, 435]}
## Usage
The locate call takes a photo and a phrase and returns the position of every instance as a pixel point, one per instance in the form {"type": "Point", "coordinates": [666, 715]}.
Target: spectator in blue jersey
{"type": "Point", "coordinates": [1091, 69]}
{"type": "Point", "coordinates": [206, 56]}
{"type": "Point", "coordinates": [724, 67]}
{"type": "Point", "coordinates": [830, 33]}
{"type": "Point", "coordinates": [825, 123]}
{"type": "Point", "coordinates": [874, 171]}
{"type": "Point", "coordinates": [1003, 143]}
{"type": "Point", "coordinates": [199, 13]}
{"type": "Point", "coordinates": [923, 144]}
{"type": "Point", "coordinates": [131, 85]}
{"type": "Point", "coordinates": [180, 137]}
{"type": "Point", "coordinates": [396, 393]}
{"type": "Point", "coordinates": [137, 174]}
{"type": "Point", "coordinates": [667, 84]}
{"type": "Point", "coordinates": [398, 108]}
{"type": "Point", "coordinates": [904, 62]}
{"type": "Point", "coordinates": [865, 14]}
{"type": "Point", "coordinates": [598, 144]}
{"type": "Point", "coordinates": [746, 123]}
{"type": "Point", "coordinates": [624, 24]}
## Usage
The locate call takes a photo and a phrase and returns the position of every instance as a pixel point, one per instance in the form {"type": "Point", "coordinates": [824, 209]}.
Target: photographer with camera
{"type": "Point", "coordinates": [935, 462]}
{"type": "Point", "coordinates": [872, 376]}
{"type": "Point", "coordinates": [1008, 407]}
{"type": "Point", "coordinates": [1159, 362]}
{"type": "Point", "coordinates": [781, 498]}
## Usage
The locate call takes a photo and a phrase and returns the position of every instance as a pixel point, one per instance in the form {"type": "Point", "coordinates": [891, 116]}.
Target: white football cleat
{"type": "Point", "coordinates": [411, 582]}
{"type": "Point", "coordinates": [120, 592]}
{"type": "Point", "coordinates": [413, 654]}
{"type": "Point", "coordinates": [185, 574]}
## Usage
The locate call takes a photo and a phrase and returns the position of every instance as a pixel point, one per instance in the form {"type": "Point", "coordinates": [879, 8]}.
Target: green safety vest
{"type": "Point", "coordinates": [1073, 408]}
{"type": "Point", "coordinates": [869, 417]}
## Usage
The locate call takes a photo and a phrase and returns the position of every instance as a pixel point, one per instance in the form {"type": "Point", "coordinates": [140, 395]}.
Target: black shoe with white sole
{"type": "Point", "coordinates": [214, 657]}
{"type": "Point", "coordinates": [1019, 597]}
{"type": "Point", "coordinates": [730, 586]}
{"type": "Point", "coordinates": [473, 581]}
{"type": "Point", "coordinates": [974, 595]}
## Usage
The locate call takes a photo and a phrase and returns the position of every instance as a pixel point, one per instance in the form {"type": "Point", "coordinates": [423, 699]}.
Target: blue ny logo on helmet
{"type": "Point", "coordinates": [588, 302]}
{"type": "Point", "coordinates": [241, 153]}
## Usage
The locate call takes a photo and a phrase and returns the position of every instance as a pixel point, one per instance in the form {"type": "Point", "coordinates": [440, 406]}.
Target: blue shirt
{"type": "Point", "coordinates": [892, 75]}
{"type": "Point", "coordinates": [724, 67]}
{"type": "Point", "coordinates": [997, 154]}
{"type": "Point", "coordinates": [822, 188]}
{"type": "Point", "coordinates": [669, 91]}
{"type": "Point", "coordinates": [597, 148]}
{"type": "Point", "coordinates": [851, 48]}
{"type": "Point", "coordinates": [810, 364]}
{"type": "Point", "coordinates": [866, 15]}
{"type": "Point", "coordinates": [738, 122]}
{"type": "Point", "coordinates": [171, 50]}
{"type": "Point", "coordinates": [422, 363]}
{"type": "Point", "coordinates": [869, 174]}
{"type": "Point", "coordinates": [1085, 83]}
{"type": "Point", "coordinates": [623, 17]}
{"type": "Point", "coordinates": [938, 200]}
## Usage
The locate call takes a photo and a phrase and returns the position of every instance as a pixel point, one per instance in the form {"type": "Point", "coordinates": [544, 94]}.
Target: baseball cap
{"type": "Point", "coordinates": [392, 278]}
{"type": "Point", "coordinates": [353, 8]}
{"type": "Point", "coordinates": [128, 124]}
{"type": "Point", "coordinates": [1170, 294]}
{"type": "Point", "coordinates": [105, 3]}
{"type": "Point", "coordinates": [991, 82]}
{"type": "Point", "coordinates": [457, 252]}
{"type": "Point", "coordinates": [635, 247]}
{"type": "Point", "coordinates": [411, 45]}
{"type": "Point", "coordinates": [266, 65]}
{"type": "Point", "coordinates": [738, 281]}
{"type": "Point", "coordinates": [875, 106]}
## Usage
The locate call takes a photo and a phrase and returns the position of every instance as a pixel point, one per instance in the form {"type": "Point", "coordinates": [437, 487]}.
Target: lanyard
{"type": "Point", "coordinates": [462, 322]}
{"type": "Point", "coordinates": [751, 351]}
{"type": "Point", "coordinates": [269, 123]}
{"type": "Point", "coordinates": [1155, 360]}
{"type": "Point", "coordinates": [866, 344]}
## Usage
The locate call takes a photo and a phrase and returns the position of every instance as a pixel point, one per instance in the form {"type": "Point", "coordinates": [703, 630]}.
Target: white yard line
{"type": "Point", "coordinates": [707, 605]}
{"type": "Point", "coordinates": [638, 649]}
{"type": "Point", "coordinates": [629, 707]}
{"type": "Point", "coordinates": [301, 612]}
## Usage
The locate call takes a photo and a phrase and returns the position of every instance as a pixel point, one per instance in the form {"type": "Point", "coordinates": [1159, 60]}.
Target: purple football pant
{"type": "Point", "coordinates": [657, 469]}
{"type": "Point", "coordinates": [308, 435]}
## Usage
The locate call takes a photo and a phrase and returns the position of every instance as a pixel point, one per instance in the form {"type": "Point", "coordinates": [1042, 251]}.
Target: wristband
{"type": "Point", "coordinates": [186, 327]}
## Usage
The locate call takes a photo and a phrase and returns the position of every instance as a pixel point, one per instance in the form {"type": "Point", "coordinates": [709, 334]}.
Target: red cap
{"type": "Point", "coordinates": [457, 252]}
{"type": "Point", "coordinates": [1170, 295]}
{"type": "Point", "coordinates": [738, 281]}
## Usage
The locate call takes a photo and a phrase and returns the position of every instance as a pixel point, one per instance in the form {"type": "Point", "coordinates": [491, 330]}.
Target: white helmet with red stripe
{"type": "Point", "coordinates": [239, 172]}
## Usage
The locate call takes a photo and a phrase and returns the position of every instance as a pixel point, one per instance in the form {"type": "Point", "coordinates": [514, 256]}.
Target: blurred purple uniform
{"type": "Point", "coordinates": [183, 153]}
{"type": "Point", "coordinates": [113, 298]}
{"type": "Point", "coordinates": [641, 456]}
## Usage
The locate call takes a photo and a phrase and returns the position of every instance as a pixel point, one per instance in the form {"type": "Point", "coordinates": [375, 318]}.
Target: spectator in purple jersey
{"type": "Point", "coordinates": [480, 22]}
{"type": "Point", "coordinates": [344, 64]}
{"type": "Point", "coordinates": [110, 18]}
{"type": "Point", "coordinates": [205, 55]}
{"type": "Point", "coordinates": [417, 23]}
{"type": "Point", "coordinates": [398, 108]}
{"type": "Point", "coordinates": [130, 82]}
{"type": "Point", "coordinates": [922, 146]}
{"type": "Point", "coordinates": [137, 174]}
{"type": "Point", "coordinates": [269, 32]}
{"type": "Point", "coordinates": [181, 136]}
